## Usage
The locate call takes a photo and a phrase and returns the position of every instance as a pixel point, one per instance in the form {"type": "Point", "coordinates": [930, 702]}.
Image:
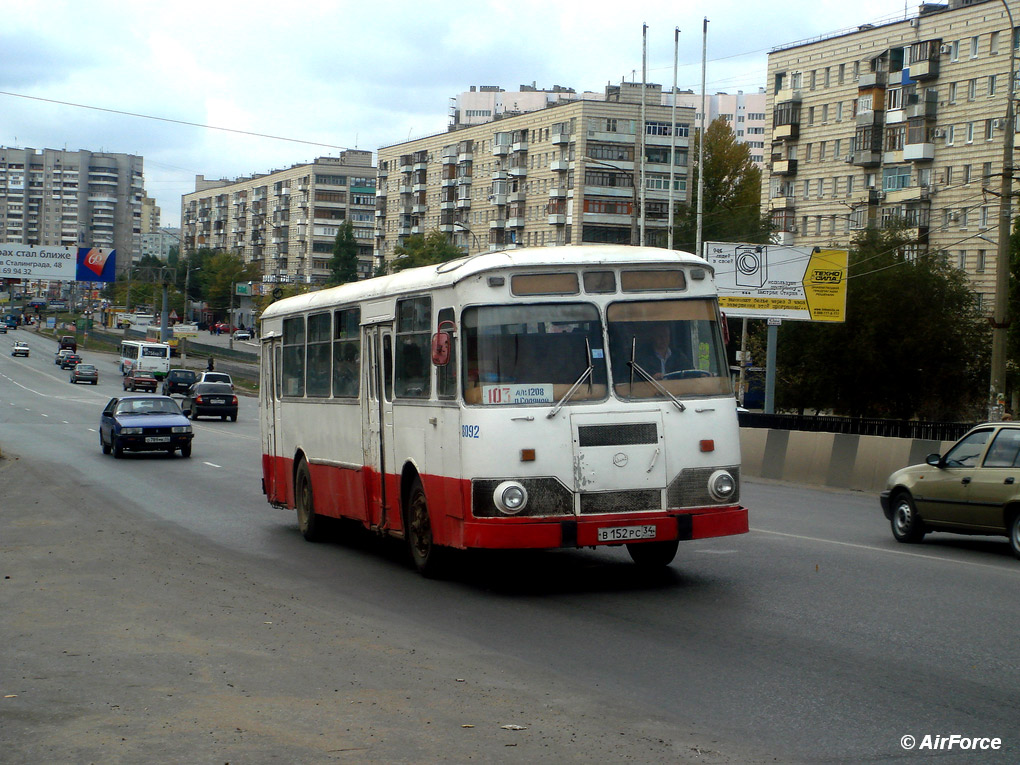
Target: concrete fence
{"type": "Point", "coordinates": [838, 460]}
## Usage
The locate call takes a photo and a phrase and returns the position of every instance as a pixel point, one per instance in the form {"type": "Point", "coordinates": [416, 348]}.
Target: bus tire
{"type": "Point", "coordinates": [310, 524]}
{"type": "Point", "coordinates": [428, 557]}
{"type": "Point", "coordinates": [653, 554]}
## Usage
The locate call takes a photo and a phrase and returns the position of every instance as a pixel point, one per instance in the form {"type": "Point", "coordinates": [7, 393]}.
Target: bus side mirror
{"type": "Point", "coordinates": [442, 344]}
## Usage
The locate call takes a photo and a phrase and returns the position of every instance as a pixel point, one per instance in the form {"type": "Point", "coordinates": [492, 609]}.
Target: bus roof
{"type": "Point", "coordinates": [453, 271]}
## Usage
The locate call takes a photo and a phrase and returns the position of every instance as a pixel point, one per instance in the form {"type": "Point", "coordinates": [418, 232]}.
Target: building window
{"type": "Point", "coordinates": [993, 43]}
{"type": "Point", "coordinates": [952, 92]}
{"type": "Point", "coordinates": [895, 177]}
{"type": "Point", "coordinates": [970, 132]}
{"type": "Point", "coordinates": [980, 267]}
{"type": "Point", "coordinates": [972, 89]}
{"type": "Point", "coordinates": [974, 47]}
{"type": "Point", "coordinates": [951, 135]}
{"type": "Point", "coordinates": [991, 84]}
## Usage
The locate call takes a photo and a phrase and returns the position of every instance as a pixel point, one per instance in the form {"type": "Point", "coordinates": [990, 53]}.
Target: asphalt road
{"type": "Point", "coordinates": [158, 608]}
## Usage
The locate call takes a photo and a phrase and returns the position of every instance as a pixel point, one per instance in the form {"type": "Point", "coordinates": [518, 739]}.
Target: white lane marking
{"type": "Point", "coordinates": [91, 430]}
{"type": "Point", "coordinates": [212, 464]}
{"type": "Point", "coordinates": [65, 422]}
{"type": "Point", "coordinates": [879, 549]}
{"type": "Point", "coordinates": [44, 415]}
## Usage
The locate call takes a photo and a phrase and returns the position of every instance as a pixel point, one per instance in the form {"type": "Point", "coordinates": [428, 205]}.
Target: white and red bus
{"type": "Point", "coordinates": [505, 400]}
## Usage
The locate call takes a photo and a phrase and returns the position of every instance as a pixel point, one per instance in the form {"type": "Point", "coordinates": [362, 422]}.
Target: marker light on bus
{"type": "Point", "coordinates": [510, 497]}
{"type": "Point", "coordinates": [721, 485]}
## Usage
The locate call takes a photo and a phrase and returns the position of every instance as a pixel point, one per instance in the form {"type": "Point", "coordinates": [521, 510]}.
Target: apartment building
{"type": "Point", "coordinates": [150, 216]}
{"type": "Point", "coordinates": [76, 198]}
{"type": "Point", "coordinates": [565, 174]}
{"type": "Point", "coordinates": [902, 121]}
{"type": "Point", "coordinates": [486, 103]}
{"type": "Point", "coordinates": [159, 243]}
{"type": "Point", "coordinates": [744, 112]}
{"type": "Point", "coordinates": [286, 221]}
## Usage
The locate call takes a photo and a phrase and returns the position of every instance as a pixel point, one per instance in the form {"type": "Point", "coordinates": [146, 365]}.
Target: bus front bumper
{"type": "Point", "coordinates": [545, 533]}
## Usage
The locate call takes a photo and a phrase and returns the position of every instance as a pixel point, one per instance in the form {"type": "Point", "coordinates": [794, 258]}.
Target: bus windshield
{"type": "Point", "coordinates": [532, 354]}
{"type": "Point", "coordinates": [676, 342]}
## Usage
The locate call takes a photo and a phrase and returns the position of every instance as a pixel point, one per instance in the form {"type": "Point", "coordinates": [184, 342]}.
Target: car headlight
{"type": "Point", "coordinates": [130, 431]}
{"type": "Point", "coordinates": [510, 497]}
{"type": "Point", "coordinates": [181, 429]}
{"type": "Point", "coordinates": [721, 485]}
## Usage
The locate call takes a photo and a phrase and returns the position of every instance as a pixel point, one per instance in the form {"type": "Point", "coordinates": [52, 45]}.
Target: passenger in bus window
{"type": "Point", "coordinates": [345, 373]}
{"type": "Point", "coordinates": [661, 356]}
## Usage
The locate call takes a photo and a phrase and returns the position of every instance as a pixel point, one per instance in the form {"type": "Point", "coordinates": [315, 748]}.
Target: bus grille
{"type": "Point", "coordinates": [546, 496]}
{"type": "Point", "coordinates": [690, 488]}
{"type": "Point", "coordinates": [617, 435]}
{"type": "Point", "coordinates": [621, 501]}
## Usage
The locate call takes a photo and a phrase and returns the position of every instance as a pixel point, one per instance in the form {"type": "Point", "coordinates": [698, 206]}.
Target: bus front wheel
{"type": "Point", "coordinates": [428, 557]}
{"type": "Point", "coordinates": [653, 554]}
{"type": "Point", "coordinates": [309, 523]}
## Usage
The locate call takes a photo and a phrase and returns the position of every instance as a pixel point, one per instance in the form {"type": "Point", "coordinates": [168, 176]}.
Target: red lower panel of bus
{"type": "Point", "coordinates": [355, 493]}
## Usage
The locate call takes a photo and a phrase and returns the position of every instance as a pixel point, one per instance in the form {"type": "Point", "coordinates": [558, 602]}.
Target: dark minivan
{"type": "Point", "coordinates": [178, 381]}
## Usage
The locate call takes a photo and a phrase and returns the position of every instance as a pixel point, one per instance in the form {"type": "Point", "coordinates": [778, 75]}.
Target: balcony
{"type": "Point", "coordinates": [464, 180]}
{"type": "Point", "coordinates": [556, 219]}
{"type": "Point", "coordinates": [419, 209]}
{"type": "Point", "coordinates": [446, 228]}
{"type": "Point", "coordinates": [500, 149]}
{"type": "Point", "coordinates": [499, 223]}
{"type": "Point", "coordinates": [447, 205]}
{"type": "Point", "coordinates": [909, 194]}
{"type": "Point", "coordinates": [788, 94]}
{"type": "Point", "coordinates": [869, 80]}
{"type": "Point", "coordinates": [786, 132]}
{"type": "Point", "coordinates": [870, 117]}
{"type": "Point", "coordinates": [866, 158]}
{"type": "Point", "coordinates": [465, 156]}
{"type": "Point", "coordinates": [420, 167]}
{"type": "Point", "coordinates": [519, 145]}
{"type": "Point", "coordinates": [782, 203]}
{"type": "Point", "coordinates": [463, 203]}
{"type": "Point", "coordinates": [927, 69]}
{"type": "Point", "coordinates": [518, 196]}
{"type": "Point", "coordinates": [448, 182]}
{"type": "Point", "coordinates": [406, 189]}
{"type": "Point", "coordinates": [498, 199]}
{"type": "Point", "coordinates": [784, 167]}
{"type": "Point", "coordinates": [518, 172]}
{"type": "Point", "coordinates": [919, 152]}
{"type": "Point", "coordinates": [515, 222]}
{"type": "Point", "coordinates": [557, 192]}
{"type": "Point", "coordinates": [449, 155]}
{"type": "Point", "coordinates": [419, 188]}
{"type": "Point", "coordinates": [559, 137]}
{"type": "Point", "coordinates": [927, 109]}
{"type": "Point", "coordinates": [499, 175]}
{"type": "Point", "coordinates": [406, 166]}
{"type": "Point", "coordinates": [559, 165]}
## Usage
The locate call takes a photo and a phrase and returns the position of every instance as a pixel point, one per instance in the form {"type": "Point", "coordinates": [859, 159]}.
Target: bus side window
{"type": "Point", "coordinates": [446, 376]}
{"type": "Point", "coordinates": [388, 367]}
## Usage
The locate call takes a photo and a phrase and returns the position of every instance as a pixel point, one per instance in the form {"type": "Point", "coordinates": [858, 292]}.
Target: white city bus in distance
{"type": "Point", "coordinates": [140, 354]}
{"type": "Point", "coordinates": [505, 400]}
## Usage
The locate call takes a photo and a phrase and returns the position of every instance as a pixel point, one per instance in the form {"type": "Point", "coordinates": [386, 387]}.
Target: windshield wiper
{"type": "Point", "coordinates": [588, 373]}
{"type": "Point", "coordinates": [635, 367]}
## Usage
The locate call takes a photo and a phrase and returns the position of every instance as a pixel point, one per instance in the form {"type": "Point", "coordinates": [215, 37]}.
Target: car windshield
{"type": "Point", "coordinates": [214, 387]}
{"type": "Point", "coordinates": [86, 368]}
{"type": "Point", "coordinates": [220, 377]}
{"type": "Point", "coordinates": [148, 406]}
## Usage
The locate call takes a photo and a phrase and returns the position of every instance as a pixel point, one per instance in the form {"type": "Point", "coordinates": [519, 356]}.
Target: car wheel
{"type": "Point", "coordinates": [106, 447]}
{"type": "Point", "coordinates": [310, 524]}
{"type": "Point", "coordinates": [1014, 534]}
{"type": "Point", "coordinates": [907, 525]}
{"type": "Point", "coordinates": [428, 557]}
{"type": "Point", "coordinates": [233, 418]}
{"type": "Point", "coordinates": [653, 554]}
{"type": "Point", "coordinates": [223, 417]}
{"type": "Point", "coordinates": [118, 450]}
{"type": "Point", "coordinates": [186, 450]}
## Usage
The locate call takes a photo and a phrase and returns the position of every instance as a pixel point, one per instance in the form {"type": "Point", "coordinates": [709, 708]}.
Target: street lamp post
{"type": "Point", "coordinates": [474, 237]}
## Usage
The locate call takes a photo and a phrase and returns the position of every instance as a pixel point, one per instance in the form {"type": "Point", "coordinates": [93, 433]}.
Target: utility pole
{"type": "Point", "coordinates": [1000, 318]}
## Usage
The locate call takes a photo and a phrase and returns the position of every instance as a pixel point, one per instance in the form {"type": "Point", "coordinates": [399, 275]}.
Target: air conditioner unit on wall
{"type": "Point", "coordinates": [945, 48]}
{"type": "Point", "coordinates": [998, 123]}
{"type": "Point", "coordinates": [938, 133]}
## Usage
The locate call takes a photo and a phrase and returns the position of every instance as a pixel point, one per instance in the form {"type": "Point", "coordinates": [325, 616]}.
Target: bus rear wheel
{"type": "Point", "coordinates": [653, 554]}
{"type": "Point", "coordinates": [427, 556]}
{"type": "Point", "coordinates": [309, 523]}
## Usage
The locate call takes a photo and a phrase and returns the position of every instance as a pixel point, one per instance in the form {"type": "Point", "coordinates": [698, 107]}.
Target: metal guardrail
{"type": "Point", "coordinates": [862, 426]}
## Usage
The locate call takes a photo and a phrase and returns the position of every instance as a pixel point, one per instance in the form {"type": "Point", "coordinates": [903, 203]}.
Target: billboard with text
{"type": "Point", "coordinates": [765, 281]}
{"type": "Point", "coordinates": [57, 263]}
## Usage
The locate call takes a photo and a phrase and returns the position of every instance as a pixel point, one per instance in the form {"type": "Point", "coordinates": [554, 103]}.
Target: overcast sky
{"type": "Point", "coordinates": [345, 74]}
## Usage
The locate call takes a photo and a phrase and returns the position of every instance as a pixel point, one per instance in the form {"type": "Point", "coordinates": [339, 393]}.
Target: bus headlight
{"type": "Point", "coordinates": [510, 497]}
{"type": "Point", "coordinates": [721, 485]}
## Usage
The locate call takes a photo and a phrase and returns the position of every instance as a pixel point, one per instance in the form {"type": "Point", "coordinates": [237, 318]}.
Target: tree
{"type": "Point", "coordinates": [914, 344]}
{"type": "Point", "coordinates": [220, 273]}
{"type": "Point", "coordinates": [343, 266]}
{"type": "Point", "coordinates": [424, 250]}
{"type": "Point", "coordinates": [731, 211]}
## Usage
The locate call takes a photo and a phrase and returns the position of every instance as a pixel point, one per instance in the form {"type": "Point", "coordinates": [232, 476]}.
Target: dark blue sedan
{"type": "Point", "coordinates": [144, 424]}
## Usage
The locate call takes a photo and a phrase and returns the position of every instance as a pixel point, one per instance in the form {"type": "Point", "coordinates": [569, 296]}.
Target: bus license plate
{"type": "Point", "coordinates": [625, 533]}
{"type": "Point", "coordinates": [157, 439]}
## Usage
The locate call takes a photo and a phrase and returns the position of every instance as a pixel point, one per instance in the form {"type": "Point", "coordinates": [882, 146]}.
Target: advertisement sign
{"type": "Point", "coordinates": [765, 281]}
{"type": "Point", "coordinates": [56, 263]}
{"type": "Point", "coordinates": [96, 265]}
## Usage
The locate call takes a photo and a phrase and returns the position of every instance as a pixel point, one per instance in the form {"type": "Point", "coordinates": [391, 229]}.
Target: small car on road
{"type": "Point", "coordinates": [220, 377]}
{"type": "Point", "coordinates": [70, 361]}
{"type": "Point", "coordinates": [140, 379]}
{"type": "Point", "coordinates": [242, 334]}
{"type": "Point", "coordinates": [210, 399]}
{"type": "Point", "coordinates": [85, 373]}
{"type": "Point", "coordinates": [3, 327]}
{"type": "Point", "coordinates": [974, 488]}
{"type": "Point", "coordinates": [144, 423]}
{"type": "Point", "coordinates": [58, 359]}
{"type": "Point", "coordinates": [178, 381]}
{"type": "Point", "coordinates": [20, 348]}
